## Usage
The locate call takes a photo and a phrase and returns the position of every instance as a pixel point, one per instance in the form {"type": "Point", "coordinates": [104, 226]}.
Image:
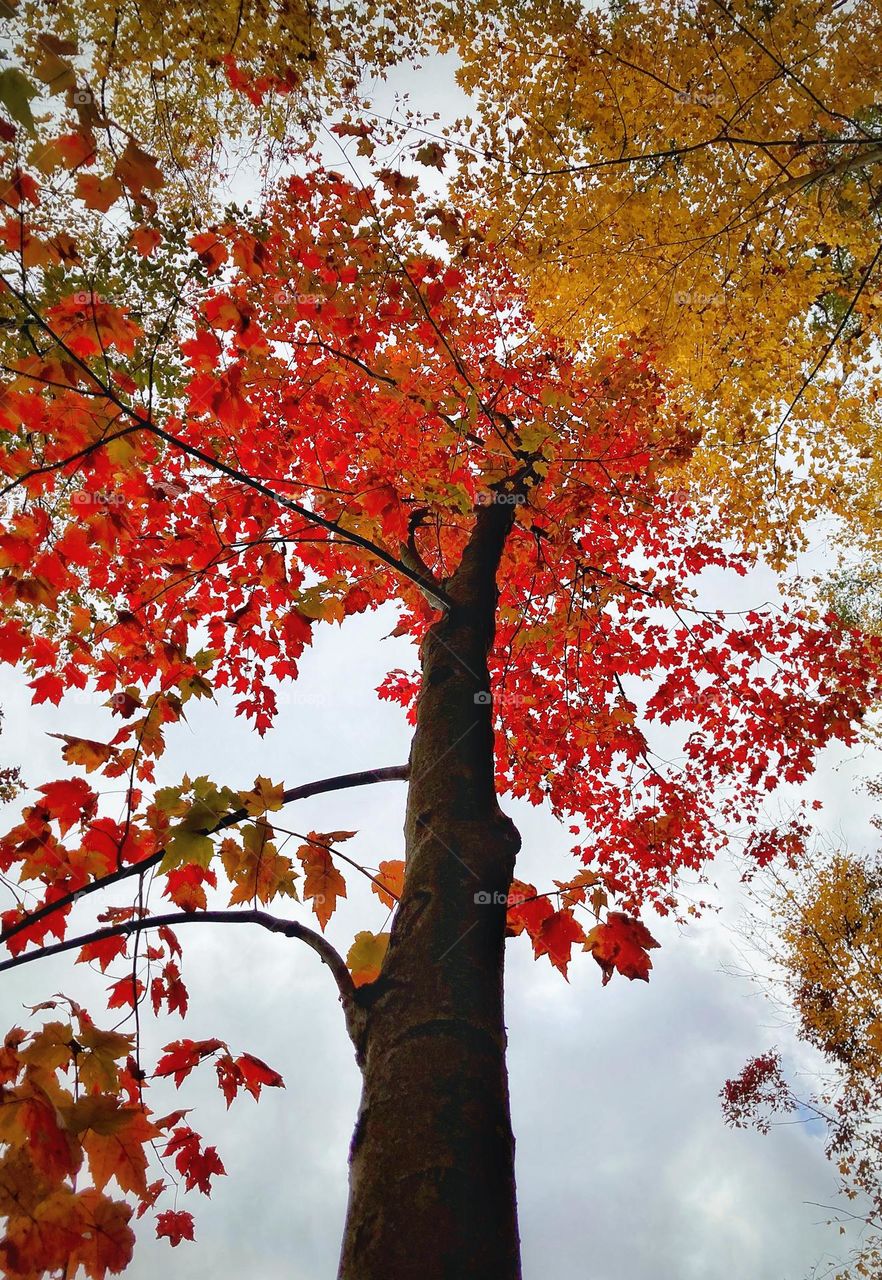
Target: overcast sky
{"type": "Point", "coordinates": [625, 1169]}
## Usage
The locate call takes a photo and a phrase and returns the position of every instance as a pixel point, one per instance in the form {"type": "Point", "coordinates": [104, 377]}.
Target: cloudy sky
{"type": "Point", "coordinates": [625, 1169]}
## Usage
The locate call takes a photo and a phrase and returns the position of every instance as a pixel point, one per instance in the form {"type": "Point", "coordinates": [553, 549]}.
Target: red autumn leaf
{"type": "Point", "coordinates": [621, 943]}
{"type": "Point", "coordinates": [181, 1056]}
{"type": "Point", "coordinates": [211, 249]}
{"type": "Point", "coordinates": [125, 992]}
{"type": "Point", "coordinates": [48, 687]}
{"type": "Point", "coordinates": [105, 951]}
{"type": "Point", "coordinates": [526, 909]}
{"type": "Point", "coordinates": [556, 936]}
{"type": "Point", "coordinates": [13, 641]}
{"type": "Point", "coordinates": [145, 239]}
{"type": "Point", "coordinates": [106, 1241]}
{"type": "Point", "coordinates": [75, 149]}
{"type": "Point", "coordinates": [175, 1225]}
{"type": "Point", "coordinates": [198, 1167]}
{"type": "Point", "coordinates": [98, 193]}
{"type": "Point", "coordinates": [256, 1074]}
{"type": "Point", "coordinates": [186, 886]}
{"type": "Point", "coordinates": [69, 801]}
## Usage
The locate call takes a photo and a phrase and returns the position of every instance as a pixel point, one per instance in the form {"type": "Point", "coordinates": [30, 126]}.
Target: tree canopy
{"type": "Point", "coordinates": [630, 354]}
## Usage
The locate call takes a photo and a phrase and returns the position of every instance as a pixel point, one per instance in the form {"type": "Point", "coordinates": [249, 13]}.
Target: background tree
{"type": "Point", "coordinates": [822, 930]}
{"type": "Point", "coordinates": [201, 86]}
{"type": "Point", "coordinates": [364, 414]}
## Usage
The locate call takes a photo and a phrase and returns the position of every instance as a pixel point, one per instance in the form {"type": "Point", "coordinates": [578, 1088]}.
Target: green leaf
{"type": "Point", "coordinates": [187, 848]}
{"type": "Point", "coordinates": [16, 92]}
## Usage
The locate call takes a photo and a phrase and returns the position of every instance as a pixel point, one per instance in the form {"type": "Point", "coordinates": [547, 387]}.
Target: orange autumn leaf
{"type": "Point", "coordinates": [323, 883]}
{"type": "Point", "coordinates": [389, 881]}
{"type": "Point", "coordinates": [121, 1154]}
{"type": "Point", "coordinates": [98, 193]}
{"type": "Point", "coordinates": [145, 239]}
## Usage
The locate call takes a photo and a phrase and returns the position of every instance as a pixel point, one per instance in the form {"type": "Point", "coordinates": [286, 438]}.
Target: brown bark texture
{"type": "Point", "coordinates": [432, 1188]}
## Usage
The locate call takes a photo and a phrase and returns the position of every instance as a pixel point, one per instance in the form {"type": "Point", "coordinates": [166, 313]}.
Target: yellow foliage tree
{"type": "Point", "coordinates": [707, 175]}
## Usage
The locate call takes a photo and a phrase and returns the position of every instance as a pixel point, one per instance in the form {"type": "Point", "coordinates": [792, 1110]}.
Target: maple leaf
{"type": "Point", "coordinates": [257, 869]}
{"type": "Point", "coordinates": [526, 909]}
{"type": "Point", "coordinates": [13, 642]}
{"type": "Point", "coordinates": [29, 1115]}
{"type": "Point", "coordinates": [101, 1051]}
{"type": "Point", "coordinates": [621, 943]}
{"type": "Point", "coordinates": [211, 250]}
{"type": "Point", "coordinates": [365, 956]}
{"type": "Point", "coordinates": [265, 797]}
{"type": "Point", "coordinates": [256, 1074]}
{"type": "Point", "coordinates": [137, 171]}
{"type": "Point", "coordinates": [191, 848]}
{"type": "Point", "coordinates": [127, 991]}
{"type": "Point", "coordinates": [431, 153]}
{"type": "Point", "coordinates": [74, 149]}
{"type": "Point", "coordinates": [175, 1225]}
{"type": "Point", "coordinates": [144, 240]}
{"type": "Point", "coordinates": [85, 751]}
{"type": "Point", "coordinates": [107, 1241]}
{"type": "Point", "coordinates": [104, 950]}
{"type": "Point", "coordinates": [168, 986]}
{"type": "Point", "coordinates": [98, 193]}
{"type": "Point", "coordinates": [181, 1056]}
{"type": "Point", "coordinates": [69, 800]}
{"type": "Point", "coordinates": [397, 182]}
{"type": "Point", "coordinates": [48, 687]}
{"type": "Point", "coordinates": [197, 1166]}
{"type": "Point", "coordinates": [121, 1153]}
{"type": "Point", "coordinates": [389, 881]}
{"type": "Point", "coordinates": [323, 883]}
{"type": "Point", "coordinates": [556, 936]}
{"type": "Point", "coordinates": [186, 887]}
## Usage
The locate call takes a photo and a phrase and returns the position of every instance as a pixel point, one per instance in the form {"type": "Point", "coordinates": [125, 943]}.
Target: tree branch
{"type": "Point", "coordinates": [391, 773]}
{"type": "Point", "coordinates": [192, 451]}
{"type": "Point", "coordinates": [289, 928]}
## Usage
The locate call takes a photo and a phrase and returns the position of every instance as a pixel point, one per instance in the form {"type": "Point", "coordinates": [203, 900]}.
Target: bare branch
{"type": "Point", "coordinates": [289, 928]}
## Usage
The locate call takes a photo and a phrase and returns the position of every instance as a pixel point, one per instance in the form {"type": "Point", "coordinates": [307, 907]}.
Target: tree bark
{"type": "Point", "coordinates": [432, 1188]}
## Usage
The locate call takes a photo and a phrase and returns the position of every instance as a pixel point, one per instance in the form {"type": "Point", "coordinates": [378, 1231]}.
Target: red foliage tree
{"type": "Point", "coordinates": [358, 412]}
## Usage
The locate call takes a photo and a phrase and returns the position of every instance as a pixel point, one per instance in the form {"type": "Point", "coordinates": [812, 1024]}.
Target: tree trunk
{"type": "Point", "coordinates": [432, 1190]}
